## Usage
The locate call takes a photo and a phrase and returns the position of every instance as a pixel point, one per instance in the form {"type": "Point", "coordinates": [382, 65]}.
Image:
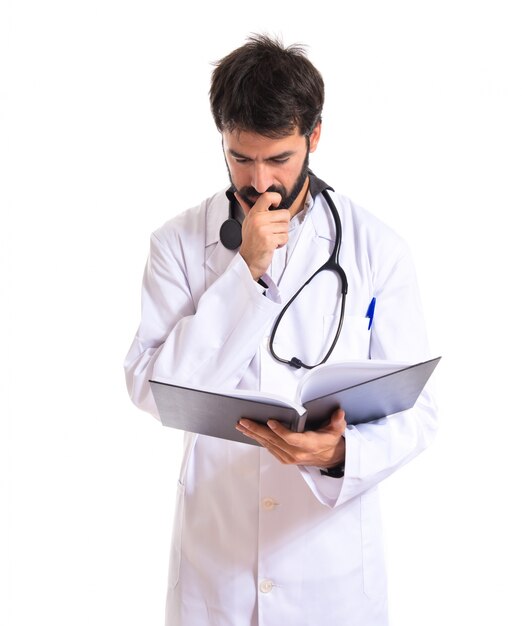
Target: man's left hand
{"type": "Point", "coordinates": [321, 448]}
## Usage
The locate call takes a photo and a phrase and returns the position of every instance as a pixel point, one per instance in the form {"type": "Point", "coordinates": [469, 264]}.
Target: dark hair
{"type": "Point", "coordinates": [268, 89]}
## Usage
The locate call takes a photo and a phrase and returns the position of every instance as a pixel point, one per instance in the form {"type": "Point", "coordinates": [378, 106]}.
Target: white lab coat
{"type": "Point", "coordinates": [256, 542]}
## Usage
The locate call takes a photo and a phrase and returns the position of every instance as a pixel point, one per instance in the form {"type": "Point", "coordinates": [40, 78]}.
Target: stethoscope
{"type": "Point", "coordinates": [231, 238]}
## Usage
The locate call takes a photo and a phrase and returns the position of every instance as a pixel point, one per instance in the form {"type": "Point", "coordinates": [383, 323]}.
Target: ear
{"type": "Point", "coordinates": [315, 136]}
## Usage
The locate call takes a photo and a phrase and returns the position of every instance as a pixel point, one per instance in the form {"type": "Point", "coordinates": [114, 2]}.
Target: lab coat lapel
{"type": "Point", "coordinates": [312, 249]}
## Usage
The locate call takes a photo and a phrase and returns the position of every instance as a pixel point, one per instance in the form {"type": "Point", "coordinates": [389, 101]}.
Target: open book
{"type": "Point", "coordinates": [366, 390]}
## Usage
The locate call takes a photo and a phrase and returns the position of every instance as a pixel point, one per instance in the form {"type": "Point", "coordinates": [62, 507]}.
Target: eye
{"type": "Point", "coordinates": [281, 160]}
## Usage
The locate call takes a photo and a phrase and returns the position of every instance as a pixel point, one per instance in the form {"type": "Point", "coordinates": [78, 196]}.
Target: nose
{"type": "Point", "coordinates": [261, 177]}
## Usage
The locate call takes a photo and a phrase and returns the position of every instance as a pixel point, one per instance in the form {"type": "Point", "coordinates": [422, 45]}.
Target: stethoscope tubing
{"type": "Point", "coordinates": [332, 264]}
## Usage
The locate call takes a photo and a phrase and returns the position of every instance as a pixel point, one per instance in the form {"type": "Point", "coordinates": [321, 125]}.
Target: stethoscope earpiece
{"type": "Point", "coordinates": [231, 233]}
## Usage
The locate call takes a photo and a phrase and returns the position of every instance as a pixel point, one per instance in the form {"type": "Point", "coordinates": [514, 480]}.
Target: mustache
{"type": "Point", "coordinates": [253, 195]}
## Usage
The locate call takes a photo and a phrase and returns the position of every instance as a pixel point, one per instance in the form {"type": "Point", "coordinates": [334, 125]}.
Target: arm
{"type": "Point", "coordinates": [377, 449]}
{"type": "Point", "coordinates": [370, 452]}
{"type": "Point", "coordinates": [191, 332]}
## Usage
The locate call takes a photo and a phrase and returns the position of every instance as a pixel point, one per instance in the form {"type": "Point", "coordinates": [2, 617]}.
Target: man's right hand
{"type": "Point", "coordinates": [263, 231]}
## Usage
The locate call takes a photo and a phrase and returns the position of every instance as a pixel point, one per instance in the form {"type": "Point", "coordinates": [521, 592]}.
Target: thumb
{"type": "Point", "coordinates": [338, 421]}
{"type": "Point", "coordinates": [336, 425]}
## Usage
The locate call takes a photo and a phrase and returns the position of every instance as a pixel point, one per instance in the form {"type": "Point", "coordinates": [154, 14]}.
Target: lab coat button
{"type": "Point", "coordinates": [268, 504]}
{"type": "Point", "coordinates": [266, 586]}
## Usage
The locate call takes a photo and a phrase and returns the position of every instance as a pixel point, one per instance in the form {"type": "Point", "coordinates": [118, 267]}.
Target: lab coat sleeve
{"type": "Point", "coordinates": [187, 337]}
{"type": "Point", "coordinates": [377, 449]}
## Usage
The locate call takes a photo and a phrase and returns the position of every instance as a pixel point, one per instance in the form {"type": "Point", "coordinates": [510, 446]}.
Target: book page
{"type": "Point", "coordinates": [251, 395]}
{"type": "Point", "coordinates": [332, 377]}
{"type": "Point", "coordinates": [262, 397]}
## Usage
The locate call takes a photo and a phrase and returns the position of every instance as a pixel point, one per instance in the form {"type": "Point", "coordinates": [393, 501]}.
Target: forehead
{"type": "Point", "coordinates": [253, 144]}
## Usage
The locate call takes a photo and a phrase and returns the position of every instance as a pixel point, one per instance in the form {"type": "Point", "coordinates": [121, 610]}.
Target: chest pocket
{"type": "Point", "coordinates": [354, 340]}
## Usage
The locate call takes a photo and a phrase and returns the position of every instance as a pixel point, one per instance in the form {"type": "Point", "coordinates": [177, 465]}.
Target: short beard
{"type": "Point", "coordinates": [250, 195]}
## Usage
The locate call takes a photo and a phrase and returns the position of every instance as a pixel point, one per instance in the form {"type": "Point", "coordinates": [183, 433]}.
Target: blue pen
{"type": "Point", "coordinates": [370, 312]}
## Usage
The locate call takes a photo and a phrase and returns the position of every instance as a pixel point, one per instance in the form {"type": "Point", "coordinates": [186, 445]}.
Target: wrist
{"type": "Point", "coordinates": [334, 472]}
{"type": "Point", "coordinates": [337, 468]}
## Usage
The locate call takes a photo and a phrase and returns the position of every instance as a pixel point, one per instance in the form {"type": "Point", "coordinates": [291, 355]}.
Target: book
{"type": "Point", "coordinates": [367, 390]}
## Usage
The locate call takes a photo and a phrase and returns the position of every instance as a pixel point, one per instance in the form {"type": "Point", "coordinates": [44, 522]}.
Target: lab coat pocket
{"type": "Point", "coordinates": [374, 577]}
{"type": "Point", "coordinates": [354, 340]}
{"type": "Point", "coordinates": [176, 537]}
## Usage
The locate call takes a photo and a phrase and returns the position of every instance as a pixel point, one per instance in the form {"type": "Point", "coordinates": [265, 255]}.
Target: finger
{"type": "Point", "coordinates": [274, 221]}
{"type": "Point", "coordinates": [275, 447]}
{"type": "Point", "coordinates": [281, 455]}
{"type": "Point", "coordinates": [338, 413]}
{"type": "Point", "coordinates": [267, 200]}
{"type": "Point", "coordinates": [275, 198]}
{"type": "Point", "coordinates": [338, 417]}
{"type": "Point", "coordinates": [280, 240]}
{"type": "Point", "coordinates": [264, 435]}
{"type": "Point", "coordinates": [338, 421]}
{"type": "Point", "coordinates": [254, 430]}
{"type": "Point", "coordinates": [289, 437]}
{"type": "Point", "coordinates": [296, 448]}
{"type": "Point", "coordinates": [290, 448]}
{"type": "Point", "coordinates": [251, 435]}
{"type": "Point", "coordinates": [263, 202]}
{"type": "Point", "coordinates": [307, 440]}
{"type": "Point", "coordinates": [337, 424]}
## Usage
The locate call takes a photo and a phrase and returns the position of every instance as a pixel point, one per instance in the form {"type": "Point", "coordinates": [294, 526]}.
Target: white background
{"type": "Point", "coordinates": [106, 133]}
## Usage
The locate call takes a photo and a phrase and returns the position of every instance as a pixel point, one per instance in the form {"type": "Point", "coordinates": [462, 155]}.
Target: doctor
{"type": "Point", "coordinates": [287, 532]}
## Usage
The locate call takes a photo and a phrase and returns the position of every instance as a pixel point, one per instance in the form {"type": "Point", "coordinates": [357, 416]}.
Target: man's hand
{"type": "Point", "coordinates": [263, 231]}
{"type": "Point", "coordinates": [321, 448]}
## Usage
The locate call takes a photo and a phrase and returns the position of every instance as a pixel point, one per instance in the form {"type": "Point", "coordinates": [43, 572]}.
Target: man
{"type": "Point", "coordinates": [286, 533]}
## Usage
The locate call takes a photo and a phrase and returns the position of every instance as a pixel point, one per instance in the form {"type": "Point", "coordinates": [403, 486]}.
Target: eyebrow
{"type": "Point", "coordinates": [281, 155]}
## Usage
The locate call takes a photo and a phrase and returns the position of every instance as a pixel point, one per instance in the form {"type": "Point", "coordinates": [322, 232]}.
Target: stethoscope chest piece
{"type": "Point", "coordinates": [231, 234]}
